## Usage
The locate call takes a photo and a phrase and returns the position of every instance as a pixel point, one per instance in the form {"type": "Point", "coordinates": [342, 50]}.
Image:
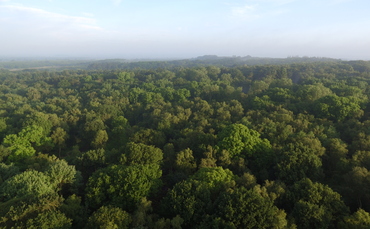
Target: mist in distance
{"type": "Point", "coordinates": [184, 29]}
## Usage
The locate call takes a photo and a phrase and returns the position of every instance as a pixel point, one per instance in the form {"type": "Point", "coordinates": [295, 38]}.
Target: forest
{"type": "Point", "coordinates": [264, 145]}
{"type": "Point", "coordinates": [132, 64]}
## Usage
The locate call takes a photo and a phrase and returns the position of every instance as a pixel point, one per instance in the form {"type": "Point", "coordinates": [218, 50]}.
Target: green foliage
{"type": "Point", "coordinates": [109, 217]}
{"type": "Point", "coordinates": [313, 92]}
{"type": "Point", "coordinates": [59, 136]}
{"type": "Point", "coordinates": [298, 161]}
{"type": "Point", "coordinates": [73, 209]}
{"type": "Point", "coordinates": [101, 137]}
{"type": "Point", "coordinates": [185, 161]}
{"type": "Point", "coordinates": [248, 209]}
{"type": "Point", "coordinates": [122, 186]}
{"type": "Point", "coordinates": [21, 144]}
{"type": "Point", "coordinates": [53, 219]}
{"type": "Point", "coordinates": [241, 141]}
{"type": "Point", "coordinates": [238, 144]}
{"type": "Point", "coordinates": [358, 220]}
{"type": "Point", "coordinates": [17, 211]}
{"type": "Point", "coordinates": [91, 161]}
{"type": "Point", "coordinates": [194, 197]}
{"type": "Point", "coordinates": [60, 173]}
{"type": "Point", "coordinates": [149, 137]}
{"type": "Point", "coordinates": [362, 159]}
{"type": "Point", "coordinates": [141, 154]}
{"type": "Point", "coordinates": [213, 177]}
{"type": "Point", "coordinates": [4, 153]}
{"type": "Point", "coordinates": [335, 157]}
{"type": "Point", "coordinates": [7, 171]}
{"type": "Point", "coordinates": [337, 108]}
{"type": "Point", "coordinates": [27, 183]}
{"type": "Point", "coordinates": [314, 205]}
{"type": "Point", "coordinates": [358, 182]}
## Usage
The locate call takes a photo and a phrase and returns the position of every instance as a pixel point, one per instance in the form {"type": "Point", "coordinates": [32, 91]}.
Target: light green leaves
{"type": "Point", "coordinates": [241, 141]}
{"type": "Point", "coordinates": [27, 183]}
{"type": "Point", "coordinates": [21, 144]}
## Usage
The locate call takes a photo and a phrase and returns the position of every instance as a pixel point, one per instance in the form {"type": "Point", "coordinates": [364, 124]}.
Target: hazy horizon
{"type": "Point", "coordinates": [184, 29]}
{"type": "Point", "coordinates": [77, 58]}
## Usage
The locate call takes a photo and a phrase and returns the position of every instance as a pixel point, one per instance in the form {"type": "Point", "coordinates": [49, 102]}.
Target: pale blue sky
{"type": "Point", "coordinates": [185, 28]}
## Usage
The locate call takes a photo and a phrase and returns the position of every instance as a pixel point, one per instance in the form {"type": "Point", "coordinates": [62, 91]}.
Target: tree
{"type": "Point", "coordinates": [358, 187]}
{"type": "Point", "coordinates": [362, 159]}
{"type": "Point", "coordinates": [149, 137]}
{"type": "Point", "coordinates": [109, 217]}
{"type": "Point", "coordinates": [27, 183]}
{"type": "Point", "coordinates": [245, 208]}
{"type": "Point", "coordinates": [314, 205]}
{"type": "Point", "coordinates": [193, 198]}
{"type": "Point", "coordinates": [61, 174]}
{"type": "Point", "coordinates": [337, 108]}
{"type": "Point", "coordinates": [22, 144]}
{"type": "Point", "coordinates": [46, 121]}
{"type": "Point", "coordinates": [241, 141]}
{"type": "Point", "coordinates": [358, 220]}
{"type": "Point", "coordinates": [91, 161]}
{"type": "Point", "coordinates": [17, 211]}
{"type": "Point", "coordinates": [101, 137]}
{"type": "Point", "coordinates": [73, 209]}
{"type": "Point", "coordinates": [94, 131]}
{"type": "Point", "coordinates": [185, 162]}
{"type": "Point", "coordinates": [141, 154]}
{"type": "Point", "coordinates": [298, 161]}
{"type": "Point", "coordinates": [258, 86]}
{"type": "Point", "coordinates": [213, 72]}
{"type": "Point", "coordinates": [59, 136]}
{"type": "Point", "coordinates": [49, 219]}
{"type": "Point", "coordinates": [123, 186]}
{"type": "Point", "coordinates": [334, 157]}
{"type": "Point", "coordinates": [7, 171]}
{"type": "Point", "coordinates": [140, 217]}
{"type": "Point", "coordinates": [313, 92]}
{"type": "Point", "coordinates": [118, 132]}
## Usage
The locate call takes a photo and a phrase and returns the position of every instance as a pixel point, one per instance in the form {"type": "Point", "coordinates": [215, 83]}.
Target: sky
{"type": "Point", "coordinates": [103, 29]}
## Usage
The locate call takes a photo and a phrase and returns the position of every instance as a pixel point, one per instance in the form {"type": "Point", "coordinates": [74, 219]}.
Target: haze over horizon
{"type": "Point", "coordinates": [185, 29]}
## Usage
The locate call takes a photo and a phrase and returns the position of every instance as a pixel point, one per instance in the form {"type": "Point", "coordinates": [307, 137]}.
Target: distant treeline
{"type": "Point", "coordinates": [112, 64]}
{"type": "Point", "coordinates": [44, 64]}
{"type": "Point", "coordinates": [207, 60]}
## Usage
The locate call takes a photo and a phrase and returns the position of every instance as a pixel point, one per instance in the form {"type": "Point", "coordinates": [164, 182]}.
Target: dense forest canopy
{"type": "Point", "coordinates": [187, 145]}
